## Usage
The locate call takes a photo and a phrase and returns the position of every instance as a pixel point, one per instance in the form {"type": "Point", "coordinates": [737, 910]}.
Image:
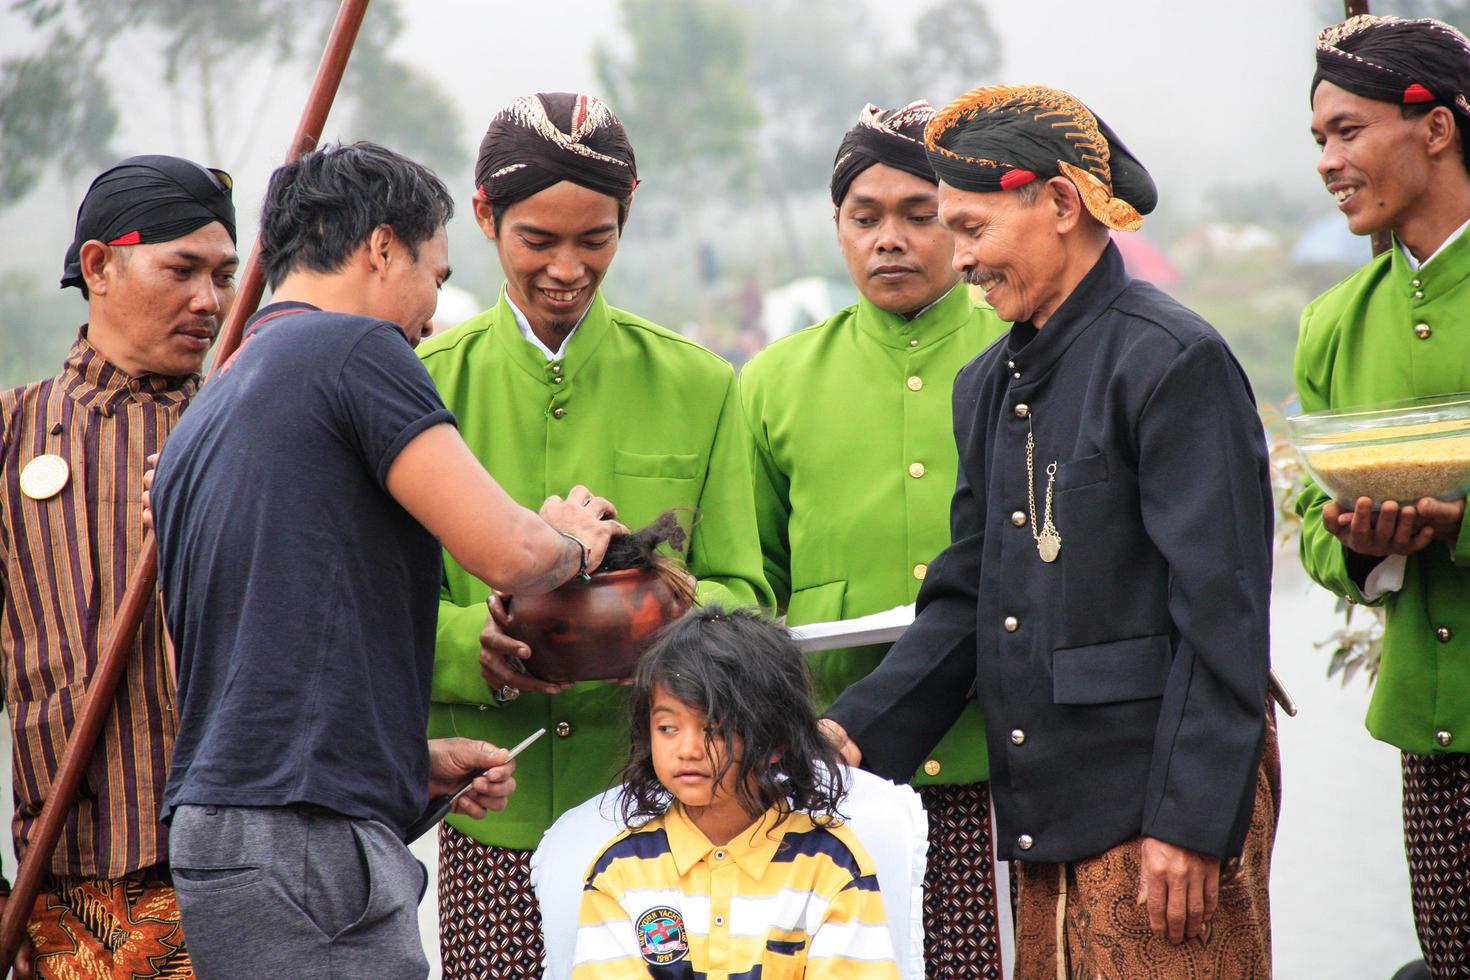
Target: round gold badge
{"type": "Point", "coordinates": [44, 476]}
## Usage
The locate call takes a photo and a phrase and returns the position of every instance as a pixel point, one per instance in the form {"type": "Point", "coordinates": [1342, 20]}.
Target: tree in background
{"type": "Point", "coordinates": [58, 111]}
{"type": "Point", "coordinates": [750, 97]}
{"type": "Point", "coordinates": [955, 49]}
{"type": "Point", "coordinates": [683, 92]}
{"type": "Point", "coordinates": [814, 64]}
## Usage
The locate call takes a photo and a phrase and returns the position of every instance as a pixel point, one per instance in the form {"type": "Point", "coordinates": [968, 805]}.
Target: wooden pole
{"type": "Point", "coordinates": [102, 687]}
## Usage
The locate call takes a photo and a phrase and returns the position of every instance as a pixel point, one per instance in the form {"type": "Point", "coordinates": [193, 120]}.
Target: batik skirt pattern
{"type": "Point", "coordinates": [1081, 920]}
{"type": "Point", "coordinates": [489, 922]}
{"type": "Point", "coordinates": [1437, 840]}
{"type": "Point", "coordinates": [109, 929]}
{"type": "Point", "coordinates": [961, 933]}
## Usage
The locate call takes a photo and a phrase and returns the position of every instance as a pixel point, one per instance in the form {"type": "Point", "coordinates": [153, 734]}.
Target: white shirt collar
{"type": "Point", "coordinates": [1416, 265]}
{"type": "Point", "coordinates": [530, 334]}
{"type": "Point", "coordinates": [941, 299]}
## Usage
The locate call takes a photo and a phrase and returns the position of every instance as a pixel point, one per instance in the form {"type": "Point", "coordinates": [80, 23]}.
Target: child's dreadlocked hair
{"type": "Point", "coordinates": [748, 677]}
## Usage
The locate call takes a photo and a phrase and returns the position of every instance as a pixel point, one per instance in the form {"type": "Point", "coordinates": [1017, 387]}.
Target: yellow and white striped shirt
{"type": "Point", "coordinates": [784, 899]}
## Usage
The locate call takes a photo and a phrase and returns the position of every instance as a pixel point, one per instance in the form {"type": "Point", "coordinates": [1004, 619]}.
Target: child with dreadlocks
{"type": "Point", "coordinates": [735, 861]}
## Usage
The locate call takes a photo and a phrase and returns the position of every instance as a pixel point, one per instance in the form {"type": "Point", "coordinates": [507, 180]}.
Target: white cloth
{"type": "Point", "coordinates": [1387, 576]}
{"type": "Point", "coordinates": [888, 818]}
{"type": "Point", "coordinates": [1415, 264]}
{"type": "Point", "coordinates": [529, 334]}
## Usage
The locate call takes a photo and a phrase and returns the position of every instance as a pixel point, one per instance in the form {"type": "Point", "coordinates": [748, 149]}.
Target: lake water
{"type": "Point", "coordinates": [1339, 887]}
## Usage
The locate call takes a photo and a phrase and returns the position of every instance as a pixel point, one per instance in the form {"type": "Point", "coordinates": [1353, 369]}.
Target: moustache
{"type": "Point", "coordinates": [207, 324]}
{"type": "Point", "coordinates": [976, 276]}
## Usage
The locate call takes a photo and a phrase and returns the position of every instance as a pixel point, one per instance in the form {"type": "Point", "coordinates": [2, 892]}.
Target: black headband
{"type": "Point", "coordinates": [148, 199]}
{"type": "Point", "coordinates": [893, 137]}
{"type": "Point", "coordinates": [540, 140]}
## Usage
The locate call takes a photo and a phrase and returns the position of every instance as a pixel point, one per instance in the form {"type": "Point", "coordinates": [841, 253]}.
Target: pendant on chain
{"type": "Point", "coordinates": [1049, 544]}
{"type": "Point", "coordinates": [1048, 538]}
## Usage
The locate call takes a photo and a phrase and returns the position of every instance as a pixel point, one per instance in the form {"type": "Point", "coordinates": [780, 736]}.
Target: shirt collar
{"type": "Point", "coordinates": [531, 358]}
{"type": "Point", "coordinates": [1415, 265]}
{"type": "Point", "coordinates": [1033, 351]}
{"type": "Point", "coordinates": [934, 322]}
{"type": "Point", "coordinates": [752, 849]}
{"type": "Point", "coordinates": [94, 381]}
{"type": "Point", "coordinates": [530, 334]}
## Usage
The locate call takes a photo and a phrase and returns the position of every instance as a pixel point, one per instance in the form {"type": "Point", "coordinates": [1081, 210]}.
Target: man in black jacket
{"type": "Point", "coordinates": [1106, 596]}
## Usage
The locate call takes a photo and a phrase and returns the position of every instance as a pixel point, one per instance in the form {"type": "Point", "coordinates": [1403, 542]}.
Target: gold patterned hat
{"type": "Point", "coordinates": [1001, 137]}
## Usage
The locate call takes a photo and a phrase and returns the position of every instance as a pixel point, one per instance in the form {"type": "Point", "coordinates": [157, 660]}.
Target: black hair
{"type": "Point", "coordinates": [497, 211]}
{"type": "Point", "coordinates": [747, 676]}
{"type": "Point", "coordinates": [1420, 110]}
{"type": "Point", "coordinates": [322, 207]}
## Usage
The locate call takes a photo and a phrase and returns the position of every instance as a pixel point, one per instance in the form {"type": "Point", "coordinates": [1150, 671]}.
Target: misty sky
{"type": "Point", "coordinates": [1205, 94]}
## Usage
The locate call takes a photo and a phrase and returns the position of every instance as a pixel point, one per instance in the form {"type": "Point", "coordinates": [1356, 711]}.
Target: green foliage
{"type": "Point", "coordinates": [814, 63]}
{"type": "Point", "coordinates": [26, 352]}
{"type": "Point", "coordinates": [683, 92]}
{"type": "Point", "coordinates": [54, 111]}
{"type": "Point", "coordinates": [955, 48]}
{"type": "Point", "coordinates": [396, 104]}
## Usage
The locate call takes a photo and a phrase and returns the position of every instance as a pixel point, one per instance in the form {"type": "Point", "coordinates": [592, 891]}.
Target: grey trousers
{"type": "Point", "coordinates": [287, 892]}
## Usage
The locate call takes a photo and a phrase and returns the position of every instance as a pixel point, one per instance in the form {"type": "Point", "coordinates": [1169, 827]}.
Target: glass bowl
{"type": "Point", "coordinates": [1401, 451]}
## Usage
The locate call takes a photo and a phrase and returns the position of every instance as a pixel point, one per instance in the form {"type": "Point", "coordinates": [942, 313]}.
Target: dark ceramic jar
{"type": "Point", "coordinates": [594, 630]}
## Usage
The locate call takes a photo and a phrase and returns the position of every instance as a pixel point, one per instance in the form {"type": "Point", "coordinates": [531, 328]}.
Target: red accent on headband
{"type": "Point", "coordinates": [480, 193]}
{"type": "Point", "coordinates": [1016, 178]}
{"type": "Point", "coordinates": [131, 238]}
{"type": "Point", "coordinates": [1417, 93]}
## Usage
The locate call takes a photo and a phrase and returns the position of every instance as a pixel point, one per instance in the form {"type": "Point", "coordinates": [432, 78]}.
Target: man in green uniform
{"type": "Point", "coordinates": [1389, 110]}
{"type": "Point", "coordinates": [854, 467]}
{"type": "Point", "coordinates": [551, 382]}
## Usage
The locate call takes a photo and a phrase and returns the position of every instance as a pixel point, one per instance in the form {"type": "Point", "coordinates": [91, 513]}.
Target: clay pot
{"type": "Point", "coordinates": [595, 630]}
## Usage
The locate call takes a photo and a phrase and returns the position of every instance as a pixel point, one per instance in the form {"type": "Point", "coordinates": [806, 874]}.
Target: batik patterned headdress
{"type": "Point", "coordinates": [893, 137]}
{"type": "Point", "coordinates": [539, 140]}
{"type": "Point", "coordinates": [1002, 137]}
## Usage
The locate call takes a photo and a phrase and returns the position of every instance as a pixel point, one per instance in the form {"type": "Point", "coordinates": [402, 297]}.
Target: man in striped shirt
{"type": "Point", "coordinates": [154, 256]}
{"type": "Point", "coordinates": [779, 901]}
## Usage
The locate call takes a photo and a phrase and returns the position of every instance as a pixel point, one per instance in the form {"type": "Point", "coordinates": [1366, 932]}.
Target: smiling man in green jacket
{"type": "Point", "coordinates": [553, 387]}
{"type": "Point", "coordinates": [1390, 111]}
{"type": "Point", "coordinates": [855, 463]}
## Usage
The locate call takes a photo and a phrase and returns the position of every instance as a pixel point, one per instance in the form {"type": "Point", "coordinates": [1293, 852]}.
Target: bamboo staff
{"type": "Point", "coordinates": [102, 687]}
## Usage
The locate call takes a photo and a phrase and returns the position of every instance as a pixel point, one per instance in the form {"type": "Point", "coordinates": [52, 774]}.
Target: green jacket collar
{"type": "Point", "coordinates": [580, 346]}
{"type": "Point", "coordinates": [1450, 266]}
{"type": "Point", "coordinates": [942, 318]}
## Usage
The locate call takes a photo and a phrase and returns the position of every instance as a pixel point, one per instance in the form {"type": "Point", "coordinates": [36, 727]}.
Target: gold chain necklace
{"type": "Point", "coordinates": [1048, 539]}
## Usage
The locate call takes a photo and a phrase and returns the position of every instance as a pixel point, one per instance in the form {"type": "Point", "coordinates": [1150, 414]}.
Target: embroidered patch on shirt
{"type": "Point", "coordinates": [661, 936]}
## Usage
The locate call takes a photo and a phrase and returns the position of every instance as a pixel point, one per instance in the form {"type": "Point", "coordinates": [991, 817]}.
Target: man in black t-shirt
{"type": "Point", "coordinates": [300, 507]}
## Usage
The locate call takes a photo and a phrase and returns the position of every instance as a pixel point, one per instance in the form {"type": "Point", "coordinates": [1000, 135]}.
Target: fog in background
{"type": "Point", "coordinates": [1213, 99]}
{"type": "Point", "coordinates": [735, 108]}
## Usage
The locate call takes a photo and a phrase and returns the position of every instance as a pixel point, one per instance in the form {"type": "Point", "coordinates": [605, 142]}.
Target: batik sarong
{"type": "Point", "coordinates": [1087, 911]}
{"type": "Point", "coordinates": [123, 928]}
